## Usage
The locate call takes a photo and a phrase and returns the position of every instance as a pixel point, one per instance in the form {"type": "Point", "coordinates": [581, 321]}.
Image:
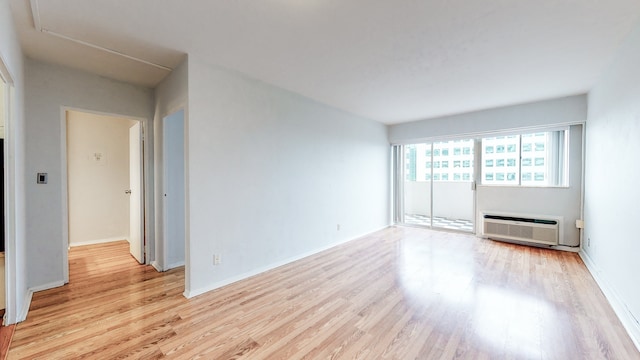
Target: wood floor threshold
{"type": "Point", "coordinates": [400, 293]}
{"type": "Point", "coordinates": [6, 335]}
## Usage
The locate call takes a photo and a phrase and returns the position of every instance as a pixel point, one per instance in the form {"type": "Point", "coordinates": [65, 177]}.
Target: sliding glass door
{"type": "Point", "coordinates": [437, 188]}
{"type": "Point", "coordinates": [453, 185]}
{"type": "Point", "coordinates": [417, 184]}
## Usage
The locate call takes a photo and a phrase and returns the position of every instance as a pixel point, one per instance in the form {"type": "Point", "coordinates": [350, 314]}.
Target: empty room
{"type": "Point", "coordinates": [320, 179]}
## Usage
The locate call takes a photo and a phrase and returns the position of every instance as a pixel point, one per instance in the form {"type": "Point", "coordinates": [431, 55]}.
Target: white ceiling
{"type": "Point", "coordinates": [391, 61]}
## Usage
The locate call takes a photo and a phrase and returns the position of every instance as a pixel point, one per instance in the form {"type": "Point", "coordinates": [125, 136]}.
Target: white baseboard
{"type": "Point", "coordinates": [174, 265]}
{"type": "Point", "coordinates": [156, 266]}
{"type": "Point", "coordinates": [22, 315]}
{"type": "Point", "coordinates": [48, 286]}
{"type": "Point", "coordinates": [626, 318]}
{"type": "Point", "coordinates": [192, 293]}
{"type": "Point", "coordinates": [98, 241]}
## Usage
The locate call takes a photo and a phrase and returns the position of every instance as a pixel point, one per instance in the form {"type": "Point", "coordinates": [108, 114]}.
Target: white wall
{"type": "Point", "coordinates": [567, 110]}
{"type": "Point", "coordinates": [48, 89]}
{"type": "Point", "coordinates": [611, 182]}
{"type": "Point", "coordinates": [271, 174]}
{"type": "Point", "coordinates": [170, 95]}
{"type": "Point", "coordinates": [16, 251]}
{"type": "Point", "coordinates": [564, 202]}
{"type": "Point", "coordinates": [98, 205]}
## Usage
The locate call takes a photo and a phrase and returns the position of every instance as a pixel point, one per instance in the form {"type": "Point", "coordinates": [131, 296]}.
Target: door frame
{"type": "Point", "coordinates": [165, 265]}
{"type": "Point", "coordinates": [146, 185]}
{"type": "Point", "coordinates": [12, 310]}
{"type": "Point", "coordinates": [399, 175]}
{"type": "Point", "coordinates": [160, 250]}
{"type": "Point", "coordinates": [139, 154]}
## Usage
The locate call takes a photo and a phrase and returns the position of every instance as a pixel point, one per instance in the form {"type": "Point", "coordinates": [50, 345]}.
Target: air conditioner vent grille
{"type": "Point", "coordinates": [525, 232]}
{"type": "Point", "coordinates": [544, 231]}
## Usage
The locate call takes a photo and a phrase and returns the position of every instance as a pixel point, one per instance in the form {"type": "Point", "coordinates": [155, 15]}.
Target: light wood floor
{"type": "Point", "coordinates": [402, 293]}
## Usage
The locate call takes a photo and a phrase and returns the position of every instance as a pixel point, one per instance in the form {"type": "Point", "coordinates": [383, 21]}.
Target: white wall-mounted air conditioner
{"type": "Point", "coordinates": [534, 229]}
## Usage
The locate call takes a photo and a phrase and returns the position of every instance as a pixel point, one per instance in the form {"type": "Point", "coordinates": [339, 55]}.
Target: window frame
{"type": "Point", "coordinates": [561, 159]}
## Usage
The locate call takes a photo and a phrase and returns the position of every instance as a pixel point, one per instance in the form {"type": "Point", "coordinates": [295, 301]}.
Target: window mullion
{"type": "Point", "coordinates": [519, 160]}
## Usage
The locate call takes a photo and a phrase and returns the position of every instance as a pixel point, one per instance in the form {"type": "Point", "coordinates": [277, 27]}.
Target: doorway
{"type": "Point", "coordinates": [437, 185]}
{"type": "Point", "coordinates": [9, 279]}
{"type": "Point", "coordinates": [173, 190]}
{"type": "Point", "coordinates": [104, 159]}
{"type": "Point", "coordinates": [3, 115]}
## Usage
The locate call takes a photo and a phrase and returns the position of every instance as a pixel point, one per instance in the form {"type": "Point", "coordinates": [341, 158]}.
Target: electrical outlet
{"type": "Point", "coordinates": [338, 227]}
{"type": "Point", "coordinates": [589, 241]}
{"type": "Point", "coordinates": [216, 259]}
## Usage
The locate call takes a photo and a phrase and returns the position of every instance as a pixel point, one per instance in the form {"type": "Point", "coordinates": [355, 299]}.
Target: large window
{"type": "Point", "coordinates": [410, 162]}
{"type": "Point", "coordinates": [537, 159]}
{"type": "Point", "coordinates": [449, 160]}
{"type": "Point", "coordinates": [456, 160]}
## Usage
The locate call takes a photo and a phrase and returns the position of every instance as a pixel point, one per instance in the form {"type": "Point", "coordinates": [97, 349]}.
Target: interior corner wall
{"type": "Point", "coordinates": [170, 96]}
{"type": "Point", "coordinates": [15, 134]}
{"type": "Point", "coordinates": [98, 175]}
{"type": "Point", "coordinates": [271, 174]}
{"type": "Point", "coordinates": [611, 182]}
{"type": "Point", "coordinates": [48, 89]}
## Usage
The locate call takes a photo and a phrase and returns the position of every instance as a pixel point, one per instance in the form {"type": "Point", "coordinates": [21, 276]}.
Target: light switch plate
{"type": "Point", "coordinates": [42, 178]}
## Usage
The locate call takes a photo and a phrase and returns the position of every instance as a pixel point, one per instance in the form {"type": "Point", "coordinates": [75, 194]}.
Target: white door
{"type": "Point", "coordinates": [136, 243]}
{"type": "Point", "coordinates": [174, 190]}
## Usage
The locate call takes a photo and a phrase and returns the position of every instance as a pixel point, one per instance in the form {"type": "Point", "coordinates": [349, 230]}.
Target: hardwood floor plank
{"type": "Point", "coordinates": [401, 293]}
{"type": "Point", "coordinates": [6, 335]}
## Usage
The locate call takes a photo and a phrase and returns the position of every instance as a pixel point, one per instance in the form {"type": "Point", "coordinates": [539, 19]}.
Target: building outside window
{"type": "Point", "coordinates": [536, 159]}
{"type": "Point", "coordinates": [452, 161]}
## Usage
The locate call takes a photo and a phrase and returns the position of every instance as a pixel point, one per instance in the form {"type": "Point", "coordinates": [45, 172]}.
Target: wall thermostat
{"type": "Point", "coordinates": [42, 178]}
